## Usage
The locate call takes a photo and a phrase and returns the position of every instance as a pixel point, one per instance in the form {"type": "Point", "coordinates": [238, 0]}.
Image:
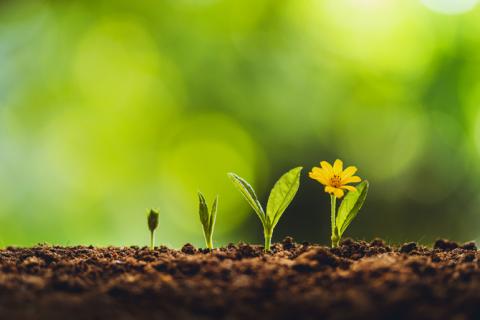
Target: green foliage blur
{"type": "Point", "coordinates": [109, 108]}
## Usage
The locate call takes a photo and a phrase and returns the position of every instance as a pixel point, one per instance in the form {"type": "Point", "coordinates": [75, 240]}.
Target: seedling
{"type": "Point", "coordinates": [336, 180]}
{"type": "Point", "coordinates": [152, 221]}
{"type": "Point", "coordinates": [280, 198]}
{"type": "Point", "coordinates": [207, 218]}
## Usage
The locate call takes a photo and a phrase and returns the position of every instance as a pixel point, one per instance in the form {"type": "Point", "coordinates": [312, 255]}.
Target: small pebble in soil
{"type": "Point", "coordinates": [377, 242]}
{"type": "Point", "coordinates": [408, 247]}
{"type": "Point", "coordinates": [288, 243]}
{"type": "Point", "coordinates": [188, 249]}
{"type": "Point", "coordinates": [347, 242]}
{"type": "Point", "coordinates": [445, 245]}
{"type": "Point", "coordinates": [469, 246]}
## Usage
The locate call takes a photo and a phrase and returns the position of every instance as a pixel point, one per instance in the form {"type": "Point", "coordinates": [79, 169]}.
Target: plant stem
{"type": "Point", "coordinates": [152, 239]}
{"type": "Point", "coordinates": [268, 239]}
{"type": "Point", "coordinates": [209, 241]}
{"type": "Point", "coordinates": [334, 238]}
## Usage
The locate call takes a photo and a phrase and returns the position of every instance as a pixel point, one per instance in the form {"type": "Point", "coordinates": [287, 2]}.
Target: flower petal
{"type": "Point", "coordinates": [317, 174]}
{"type": "Point", "coordinates": [353, 179]}
{"type": "Point", "coordinates": [327, 167]}
{"type": "Point", "coordinates": [338, 167]}
{"type": "Point", "coordinates": [338, 193]}
{"type": "Point", "coordinates": [330, 190]}
{"type": "Point", "coordinates": [320, 171]}
{"type": "Point", "coordinates": [349, 188]}
{"type": "Point", "coordinates": [348, 172]}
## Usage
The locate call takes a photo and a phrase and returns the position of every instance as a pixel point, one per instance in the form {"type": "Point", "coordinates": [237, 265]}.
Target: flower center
{"type": "Point", "coordinates": [336, 181]}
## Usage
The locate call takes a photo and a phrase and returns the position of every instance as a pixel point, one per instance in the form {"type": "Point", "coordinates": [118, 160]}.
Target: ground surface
{"type": "Point", "coordinates": [358, 280]}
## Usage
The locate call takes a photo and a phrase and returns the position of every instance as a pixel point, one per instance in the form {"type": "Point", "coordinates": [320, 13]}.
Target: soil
{"type": "Point", "coordinates": [358, 280]}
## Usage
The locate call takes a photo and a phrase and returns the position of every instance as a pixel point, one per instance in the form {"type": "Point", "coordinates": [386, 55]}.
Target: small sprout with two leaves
{"type": "Point", "coordinates": [207, 218]}
{"type": "Point", "coordinates": [152, 222]}
{"type": "Point", "coordinates": [280, 198]}
{"type": "Point", "coordinates": [336, 180]}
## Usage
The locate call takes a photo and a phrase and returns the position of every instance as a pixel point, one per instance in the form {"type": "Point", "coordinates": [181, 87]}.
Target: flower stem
{"type": "Point", "coordinates": [268, 239]}
{"type": "Point", "coordinates": [335, 239]}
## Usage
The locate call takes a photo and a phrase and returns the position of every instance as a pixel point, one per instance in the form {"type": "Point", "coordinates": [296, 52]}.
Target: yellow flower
{"type": "Point", "coordinates": [335, 179]}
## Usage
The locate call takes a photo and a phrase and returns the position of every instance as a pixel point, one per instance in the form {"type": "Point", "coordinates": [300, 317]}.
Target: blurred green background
{"type": "Point", "coordinates": [108, 108]}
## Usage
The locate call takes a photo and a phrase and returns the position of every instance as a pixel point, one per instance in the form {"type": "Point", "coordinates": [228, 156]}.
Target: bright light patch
{"type": "Point", "coordinates": [117, 62]}
{"type": "Point", "coordinates": [379, 135]}
{"type": "Point", "coordinates": [450, 6]}
{"type": "Point", "coordinates": [370, 4]}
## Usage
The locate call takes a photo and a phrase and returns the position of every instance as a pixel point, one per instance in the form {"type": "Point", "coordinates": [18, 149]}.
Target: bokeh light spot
{"type": "Point", "coordinates": [117, 62]}
{"type": "Point", "coordinates": [450, 6]}
{"type": "Point", "coordinates": [387, 140]}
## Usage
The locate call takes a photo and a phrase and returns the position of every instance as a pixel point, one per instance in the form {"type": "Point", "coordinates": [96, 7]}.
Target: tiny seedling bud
{"type": "Point", "coordinates": [152, 221]}
{"type": "Point", "coordinates": [280, 198]}
{"type": "Point", "coordinates": [207, 218]}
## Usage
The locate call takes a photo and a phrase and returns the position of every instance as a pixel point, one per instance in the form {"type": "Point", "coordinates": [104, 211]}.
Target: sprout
{"type": "Point", "coordinates": [280, 198]}
{"type": "Point", "coordinates": [336, 181]}
{"type": "Point", "coordinates": [152, 221]}
{"type": "Point", "coordinates": [207, 218]}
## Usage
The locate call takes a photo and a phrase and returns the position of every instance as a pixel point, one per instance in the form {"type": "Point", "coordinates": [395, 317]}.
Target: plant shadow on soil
{"type": "Point", "coordinates": [358, 280]}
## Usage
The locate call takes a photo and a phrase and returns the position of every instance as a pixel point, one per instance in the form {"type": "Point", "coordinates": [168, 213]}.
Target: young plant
{"type": "Point", "coordinates": [152, 222]}
{"type": "Point", "coordinates": [336, 180]}
{"type": "Point", "coordinates": [280, 198]}
{"type": "Point", "coordinates": [207, 218]}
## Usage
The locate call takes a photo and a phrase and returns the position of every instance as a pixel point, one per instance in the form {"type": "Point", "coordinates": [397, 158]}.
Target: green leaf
{"type": "Point", "coordinates": [351, 204]}
{"type": "Point", "coordinates": [282, 195]}
{"type": "Point", "coordinates": [207, 218]}
{"type": "Point", "coordinates": [213, 216]}
{"type": "Point", "coordinates": [203, 211]}
{"type": "Point", "coordinates": [249, 194]}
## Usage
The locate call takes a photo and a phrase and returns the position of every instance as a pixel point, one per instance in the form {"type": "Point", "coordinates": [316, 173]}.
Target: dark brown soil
{"type": "Point", "coordinates": [358, 280]}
